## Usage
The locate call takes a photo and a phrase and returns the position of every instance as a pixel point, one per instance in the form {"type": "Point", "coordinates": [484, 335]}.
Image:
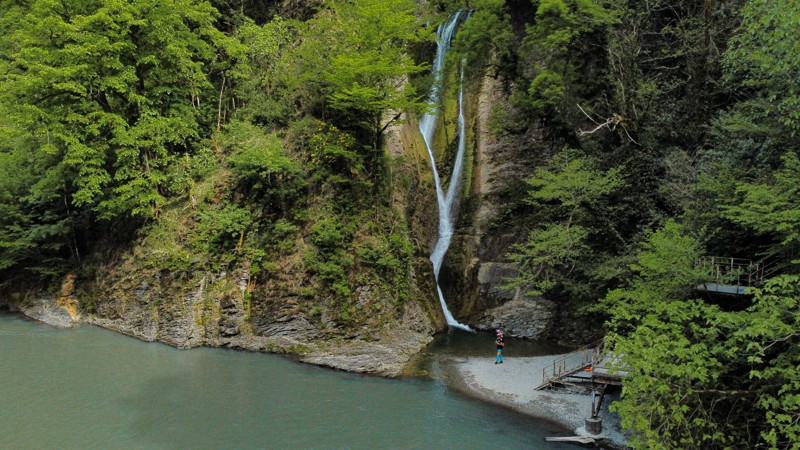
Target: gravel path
{"type": "Point", "coordinates": [511, 384]}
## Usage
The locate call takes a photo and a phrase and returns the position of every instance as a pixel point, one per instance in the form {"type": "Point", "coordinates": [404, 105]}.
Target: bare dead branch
{"type": "Point", "coordinates": [610, 123]}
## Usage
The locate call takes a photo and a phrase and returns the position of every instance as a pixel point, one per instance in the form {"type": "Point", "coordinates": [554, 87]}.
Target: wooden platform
{"type": "Point", "coordinates": [588, 367]}
{"type": "Point", "coordinates": [607, 371]}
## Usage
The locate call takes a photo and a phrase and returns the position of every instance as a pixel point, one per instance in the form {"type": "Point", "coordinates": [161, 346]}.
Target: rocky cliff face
{"type": "Point", "coordinates": [476, 271]}
{"type": "Point", "coordinates": [61, 310]}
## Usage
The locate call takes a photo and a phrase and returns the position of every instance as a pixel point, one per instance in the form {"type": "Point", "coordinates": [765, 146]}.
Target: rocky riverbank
{"type": "Point", "coordinates": [385, 354]}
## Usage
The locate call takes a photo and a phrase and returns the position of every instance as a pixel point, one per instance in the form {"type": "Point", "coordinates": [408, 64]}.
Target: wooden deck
{"type": "Point", "coordinates": [606, 371]}
{"type": "Point", "coordinates": [590, 368]}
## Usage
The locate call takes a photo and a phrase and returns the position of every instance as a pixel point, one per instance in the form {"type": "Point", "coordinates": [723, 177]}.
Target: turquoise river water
{"type": "Point", "coordinates": [89, 388]}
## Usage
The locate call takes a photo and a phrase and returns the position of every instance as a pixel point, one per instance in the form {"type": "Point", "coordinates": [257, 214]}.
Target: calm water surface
{"type": "Point", "coordinates": [92, 388]}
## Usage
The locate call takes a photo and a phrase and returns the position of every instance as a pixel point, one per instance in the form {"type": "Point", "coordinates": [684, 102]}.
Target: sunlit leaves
{"type": "Point", "coordinates": [119, 88]}
{"type": "Point", "coordinates": [698, 375]}
{"type": "Point", "coordinates": [358, 51]}
{"type": "Point", "coordinates": [103, 97]}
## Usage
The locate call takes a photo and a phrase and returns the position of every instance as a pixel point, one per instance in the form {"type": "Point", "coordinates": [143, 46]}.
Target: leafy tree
{"type": "Point", "coordinates": [262, 81]}
{"type": "Point", "coordinates": [572, 192]}
{"type": "Point", "coordinates": [668, 350]}
{"type": "Point", "coordinates": [265, 169]}
{"type": "Point", "coordinates": [103, 102]}
{"type": "Point", "coordinates": [558, 60]}
{"type": "Point", "coordinates": [695, 375]}
{"type": "Point", "coordinates": [485, 40]}
{"type": "Point", "coordinates": [357, 54]}
{"type": "Point", "coordinates": [772, 207]}
{"type": "Point", "coordinates": [36, 224]}
{"type": "Point", "coordinates": [114, 90]}
{"type": "Point", "coordinates": [764, 56]}
{"type": "Point", "coordinates": [664, 271]}
{"type": "Point", "coordinates": [770, 337]}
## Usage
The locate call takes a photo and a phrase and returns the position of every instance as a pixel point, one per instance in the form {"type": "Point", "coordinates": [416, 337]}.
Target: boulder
{"type": "Point", "coordinates": [60, 312]}
{"type": "Point", "coordinates": [524, 317]}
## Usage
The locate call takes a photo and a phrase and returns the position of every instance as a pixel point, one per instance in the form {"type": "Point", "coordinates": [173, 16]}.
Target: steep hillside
{"type": "Point", "coordinates": [270, 295]}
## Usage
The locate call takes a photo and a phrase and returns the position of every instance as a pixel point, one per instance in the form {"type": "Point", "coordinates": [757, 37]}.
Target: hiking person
{"type": "Point", "coordinates": [500, 341]}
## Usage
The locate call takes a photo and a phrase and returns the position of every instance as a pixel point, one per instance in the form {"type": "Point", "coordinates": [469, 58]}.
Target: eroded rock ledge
{"type": "Point", "coordinates": [385, 354]}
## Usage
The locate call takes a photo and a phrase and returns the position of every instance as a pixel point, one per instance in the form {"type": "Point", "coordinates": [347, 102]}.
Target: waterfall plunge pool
{"type": "Point", "coordinates": [92, 388]}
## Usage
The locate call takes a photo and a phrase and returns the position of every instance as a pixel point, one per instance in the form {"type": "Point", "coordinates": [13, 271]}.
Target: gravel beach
{"type": "Point", "coordinates": [511, 384]}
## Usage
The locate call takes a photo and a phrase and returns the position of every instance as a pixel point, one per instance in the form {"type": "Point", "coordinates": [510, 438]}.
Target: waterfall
{"type": "Point", "coordinates": [427, 126]}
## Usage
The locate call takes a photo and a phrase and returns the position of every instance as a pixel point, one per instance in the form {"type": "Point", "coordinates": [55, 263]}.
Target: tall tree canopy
{"type": "Point", "coordinates": [357, 54]}
{"type": "Point", "coordinates": [98, 99]}
{"type": "Point", "coordinates": [113, 91]}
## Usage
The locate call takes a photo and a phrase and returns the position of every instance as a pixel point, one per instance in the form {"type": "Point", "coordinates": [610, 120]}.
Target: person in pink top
{"type": "Point", "coordinates": [500, 344]}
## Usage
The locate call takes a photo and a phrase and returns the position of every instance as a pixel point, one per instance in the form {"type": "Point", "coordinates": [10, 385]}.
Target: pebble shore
{"type": "Point", "coordinates": [512, 384]}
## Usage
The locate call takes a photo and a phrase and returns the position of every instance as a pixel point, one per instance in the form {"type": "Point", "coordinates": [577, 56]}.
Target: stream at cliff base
{"type": "Point", "coordinates": [92, 388]}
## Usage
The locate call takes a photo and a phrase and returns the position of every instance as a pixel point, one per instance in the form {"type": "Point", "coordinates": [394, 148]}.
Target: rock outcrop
{"type": "Point", "coordinates": [207, 317]}
{"type": "Point", "coordinates": [60, 310]}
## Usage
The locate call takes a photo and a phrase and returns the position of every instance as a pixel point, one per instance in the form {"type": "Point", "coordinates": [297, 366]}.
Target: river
{"type": "Point", "coordinates": [92, 388]}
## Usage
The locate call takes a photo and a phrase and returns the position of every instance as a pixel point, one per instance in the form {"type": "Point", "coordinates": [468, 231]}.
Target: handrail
{"type": "Point", "coordinates": [569, 363]}
{"type": "Point", "coordinates": [744, 272]}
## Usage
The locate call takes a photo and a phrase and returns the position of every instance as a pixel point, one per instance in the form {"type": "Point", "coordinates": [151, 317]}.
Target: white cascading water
{"type": "Point", "coordinates": [427, 126]}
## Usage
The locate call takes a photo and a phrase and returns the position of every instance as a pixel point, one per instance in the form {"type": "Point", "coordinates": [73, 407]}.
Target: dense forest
{"type": "Point", "coordinates": [254, 130]}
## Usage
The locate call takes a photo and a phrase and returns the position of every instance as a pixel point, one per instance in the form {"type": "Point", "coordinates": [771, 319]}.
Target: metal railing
{"type": "Point", "coordinates": [741, 271]}
{"type": "Point", "coordinates": [571, 363]}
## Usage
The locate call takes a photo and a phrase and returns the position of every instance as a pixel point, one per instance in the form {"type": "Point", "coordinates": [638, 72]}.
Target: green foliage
{"type": "Point", "coordinates": [695, 374]}
{"type": "Point", "coordinates": [772, 207]}
{"type": "Point", "coordinates": [222, 225]}
{"type": "Point", "coordinates": [571, 193]}
{"type": "Point", "coordinates": [356, 53]}
{"type": "Point", "coordinates": [261, 78]}
{"type": "Point", "coordinates": [35, 224]}
{"type": "Point", "coordinates": [328, 233]}
{"type": "Point", "coordinates": [772, 344]}
{"type": "Point", "coordinates": [664, 271]}
{"type": "Point", "coordinates": [389, 257]}
{"type": "Point", "coordinates": [764, 54]}
{"type": "Point", "coordinates": [486, 38]}
{"type": "Point", "coordinates": [333, 161]}
{"type": "Point", "coordinates": [677, 361]}
{"type": "Point", "coordinates": [666, 343]}
{"type": "Point", "coordinates": [555, 56]}
{"type": "Point", "coordinates": [573, 181]}
{"type": "Point", "coordinates": [330, 260]}
{"type": "Point", "coordinates": [263, 166]}
{"type": "Point", "coordinates": [549, 256]}
{"type": "Point", "coordinates": [115, 89]}
{"type": "Point", "coordinates": [334, 155]}
{"type": "Point", "coordinates": [105, 107]}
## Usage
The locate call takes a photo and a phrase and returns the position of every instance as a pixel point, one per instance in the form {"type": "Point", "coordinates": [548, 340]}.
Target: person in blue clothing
{"type": "Point", "coordinates": [500, 341]}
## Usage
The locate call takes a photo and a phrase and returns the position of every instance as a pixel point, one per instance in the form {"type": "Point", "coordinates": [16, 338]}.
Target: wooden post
{"type": "Point", "coordinates": [594, 425]}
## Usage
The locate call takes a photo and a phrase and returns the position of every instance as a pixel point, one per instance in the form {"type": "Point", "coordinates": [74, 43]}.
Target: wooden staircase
{"type": "Point", "coordinates": [571, 364]}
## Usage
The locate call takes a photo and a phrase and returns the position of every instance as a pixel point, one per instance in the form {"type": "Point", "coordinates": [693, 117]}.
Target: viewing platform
{"type": "Point", "coordinates": [732, 276]}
